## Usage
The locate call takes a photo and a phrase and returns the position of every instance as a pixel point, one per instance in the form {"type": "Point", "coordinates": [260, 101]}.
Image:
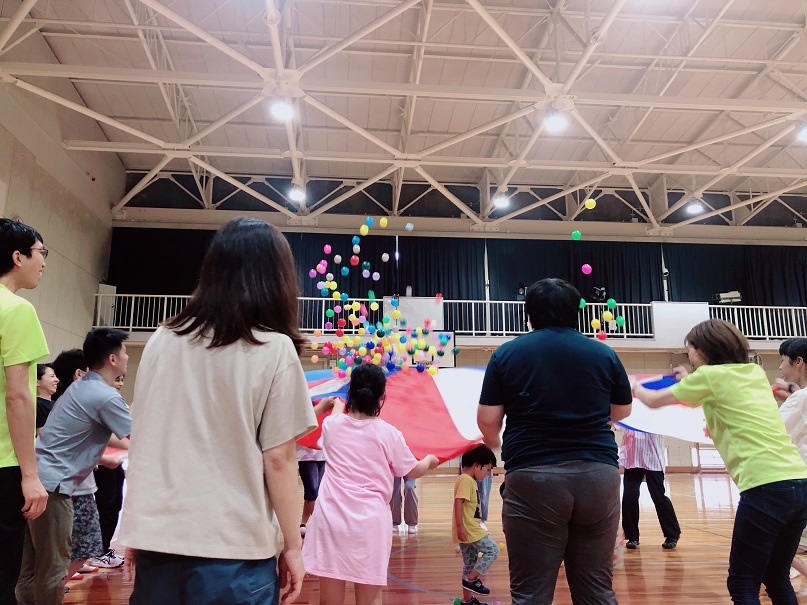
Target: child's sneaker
{"type": "Point", "coordinates": [412, 529]}
{"type": "Point", "coordinates": [474, 601]}
{"type": "Point", "coordinates": [476, 587]}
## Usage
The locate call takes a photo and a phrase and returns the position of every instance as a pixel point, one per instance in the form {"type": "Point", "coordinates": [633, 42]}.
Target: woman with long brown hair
{"type": "Point", "coordinates": [743, 419]}
{"type": "Point", "coordinates": [220, 398]}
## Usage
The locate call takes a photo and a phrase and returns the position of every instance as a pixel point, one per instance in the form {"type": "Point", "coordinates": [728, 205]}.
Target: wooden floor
{"type": "Point", "coordinates": [424, 569]}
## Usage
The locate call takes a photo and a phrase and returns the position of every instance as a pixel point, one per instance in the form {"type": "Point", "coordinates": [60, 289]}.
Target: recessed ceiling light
{"type": "Point", "coordinates": [282, 110]}
{"type": "Point", "coordinates": [555, 122]}
{"type": "Point", "coordinates": [297, 194]}
{"type": "Point", "coordinates": [802, 135]}
{"type": "Point", "coordinates": [694, 208]}
{"type": "Point", "coordinates": [501, 201]}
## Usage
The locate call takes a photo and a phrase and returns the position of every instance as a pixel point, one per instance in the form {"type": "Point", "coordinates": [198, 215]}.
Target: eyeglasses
{"type": "Point", "coordinates": [42, 251]}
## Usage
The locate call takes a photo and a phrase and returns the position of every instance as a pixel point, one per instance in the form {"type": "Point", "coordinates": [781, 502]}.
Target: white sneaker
{"type": "Point", "coordinates": [396, 528]}
{"type": "Point", "coordinates": [110, 560]}
{"type": "Point", "coordinates": [412, 529]}
{"type": "Point", "coordinates": [483, 525]}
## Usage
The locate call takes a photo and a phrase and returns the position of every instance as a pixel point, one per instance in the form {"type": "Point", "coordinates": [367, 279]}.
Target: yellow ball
{"type": "Point", "coordinates": [595, 323]}
{"type": "Point", "coordinates": [422, 344]}
{"type": "Point", "coordinates": [607, 316]}
{"type": "Point", "coordinates": [336, 295]}
{"type": "Point", "coordinates": [396, 314]}
{"type": "Point", "coordinates": [332, 286]}
{"type": "Point", "coordinates": [349, 370]}
{"type": "Point", "coordinates": [433, 372]}
{"type": "Point", "coordinates": [383, 222]}
{"type": "Point", "coordinates": [314, 346]}
{"type": "Point", "coordinates": [501, 545]}
{"type": "Point", "coordinates": [362, 331]}
{"type": "Point", "coordinates": [432, 350]}
{"type": "Point", "coordinates": [364, 229]}
{"type": "Point", "coordinates": [377, 357]}
{"type": "Point", "coordinates": [356, 306]}
{"type": "Point", "coordinates": [356, 341]}
{"type": "Point", "coordinates": [590, 204]}
{"type": "Point", "coordinates": [362, 351]}
{"type": "Point", "coordinates": [374, 306]}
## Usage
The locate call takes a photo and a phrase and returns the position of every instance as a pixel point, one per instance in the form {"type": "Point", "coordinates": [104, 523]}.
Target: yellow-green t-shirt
{"type": "Point", "coordinates": [744, 421]}
{"type": "Point", "coordinates": [21, 341]}
{"type": "Point", "coordinates": [466, 488]}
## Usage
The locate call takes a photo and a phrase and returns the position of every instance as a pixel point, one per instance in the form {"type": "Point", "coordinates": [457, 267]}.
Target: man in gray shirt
{"type": "Point", "coordinates": [70, 446]}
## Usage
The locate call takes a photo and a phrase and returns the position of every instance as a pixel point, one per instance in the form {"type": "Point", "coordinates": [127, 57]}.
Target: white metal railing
{"type": "Point", "coordinates": [764, 323]}
{"type": "Point", "coordinates": [144, 312]}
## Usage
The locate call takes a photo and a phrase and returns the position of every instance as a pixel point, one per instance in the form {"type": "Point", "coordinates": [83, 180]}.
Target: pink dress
{"type": "Point", "coordinates": [350, 533]}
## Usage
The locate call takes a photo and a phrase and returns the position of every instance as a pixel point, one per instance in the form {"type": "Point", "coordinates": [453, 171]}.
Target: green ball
{"type": "Point", "coordinates": [440, 352]}
{"type": "Point", "coordinates": [576, 235]}
{"type": "Point", "coordinates": [620, 321]}
{"type": "Point", "coordinates": [329, 313]}
{"type": "Point", "coordinates": [582, 303]}
{"type": "Point", "coordinates": [457, 601]}
{"type": "Point", "coordinates": [411, 351]}
{"type": "Point", "coordinates": [456, 351]}
{"type": "Point", "coordinates": [611, 303]}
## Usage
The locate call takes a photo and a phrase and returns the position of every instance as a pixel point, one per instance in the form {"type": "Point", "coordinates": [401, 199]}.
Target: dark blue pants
{"type": "Point", "coordinates": [164, 579]}
{"type": "Point", "coordinates": [12, 532]}
{"type": "Point", "coordinates": [311, 472]}
{"type": "Point", "coordinates": [767, 528]}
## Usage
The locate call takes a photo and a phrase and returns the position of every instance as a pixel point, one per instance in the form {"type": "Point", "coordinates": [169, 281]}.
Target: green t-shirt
{"type": "Point", "coordinates": [744, 421]}
{"type": "Point", "coordinates": [21, 341]}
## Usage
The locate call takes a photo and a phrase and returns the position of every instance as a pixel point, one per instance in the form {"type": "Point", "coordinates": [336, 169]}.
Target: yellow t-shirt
{"type": "Point", "coordinates": [466, 488]}
{"type": "Point", "coordinates": [21, 341]}
{"type": "Point", "coordinates": [744, 421]}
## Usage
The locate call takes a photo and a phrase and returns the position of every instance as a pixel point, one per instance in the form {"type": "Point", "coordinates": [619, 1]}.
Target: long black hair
{"type": "Point", "coordinates": [368, 385]}
{"type": "Point", "coordinates": [248, 282]}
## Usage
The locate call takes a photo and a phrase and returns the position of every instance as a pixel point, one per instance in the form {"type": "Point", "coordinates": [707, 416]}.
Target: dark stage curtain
{"type": "Point", "coordinates": [629, 271]}
{"type": "Point", "coordinates": [454, 267]}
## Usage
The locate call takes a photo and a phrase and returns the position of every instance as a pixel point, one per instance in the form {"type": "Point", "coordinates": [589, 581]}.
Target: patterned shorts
{"type": "Point", "coordinates": [86, 529]}
{"type": "Point", "coordinates": [470, 556]}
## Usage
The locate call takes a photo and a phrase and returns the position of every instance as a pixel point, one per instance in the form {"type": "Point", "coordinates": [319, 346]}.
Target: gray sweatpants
{"type": "Point", "coordinates": [567, 512]}
{"type": "Point", "coordinates": [410, 501]}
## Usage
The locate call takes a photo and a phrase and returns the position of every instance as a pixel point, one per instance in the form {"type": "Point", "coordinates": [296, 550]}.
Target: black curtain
{"type": "Point", "coordinates": [629, 271]}
{"type": "Point", "coordinates": [764, 275]}
{"type": "Point", "coordinates": [454, 267]}
{"type": "Point", "coordinates": [157, 261]}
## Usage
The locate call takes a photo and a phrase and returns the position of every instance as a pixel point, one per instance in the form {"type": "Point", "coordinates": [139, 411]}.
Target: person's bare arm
{"type": "Point", "coordinates": [21, 415]}
{"type": "Point", "coordinates": [620, 412]}
{"type": "Point", "coordinates": [490, 418]}
{"type": "Point", "coordinates": [280, 472]}
{"type": "Point", "coordinates": [429, 462]}
{"type": "Point", "coordinates": [462, 533]}
{"type": "Point", "coordinates": [652, 399]}
{"type": "Point", "coordinates": [121, 444]}
{"type": "Point", "coordinates": [324, 405]}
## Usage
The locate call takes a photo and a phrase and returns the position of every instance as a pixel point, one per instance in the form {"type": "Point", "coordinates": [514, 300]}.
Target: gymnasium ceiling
{"type": "Point", "coordinates": [431, 108]}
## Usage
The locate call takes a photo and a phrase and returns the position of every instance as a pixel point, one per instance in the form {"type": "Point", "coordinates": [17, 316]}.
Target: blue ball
{"type": "Point", "coordinates": [356, 240]}
{"type": "Point", "coordinates": [345, 270]}
{"type": "Point", "coordinates": [394, 302]}
{"type": "Point", "coordinates": [371, 329]}
{"type": "Point", "coordinates": [370, 346]}
{"type": "Point", "coordinates": [390, 366]}
{"type": "Point", "coordinates": [421, 368]}
{"type": "Point", "coordinates": [369, 221]}
{"type": "Point", "coordinates": [324, 292]}
{"type": "Point", "coordinates": [344, 296]}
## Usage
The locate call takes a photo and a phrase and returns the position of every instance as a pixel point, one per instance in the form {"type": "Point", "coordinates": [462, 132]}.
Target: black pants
{"type": "Point", "coordinates": [12, 532]}
{"type": "Point", "coordinates": [564, 512]}
{"type": "Point", "coordinates": [109, 499]}
{"type": "Point", "coordinates": [630, 503]}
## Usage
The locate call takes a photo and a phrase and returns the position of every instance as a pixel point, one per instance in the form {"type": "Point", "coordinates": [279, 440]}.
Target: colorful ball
{"type": "Point", "coordinates": [328, 325]}
{"type": "Point", "coordinates": [364, 229]}
{"type": "Point", "coordinates": [356, 239]}
{"type": "Point", "coordinates": [590, 204]}
{"type": "Point", "coordinates": [354, 260]}
{"type": "Point", "coordinates": [365, 273]}
{"type": "Point", "coordinates": [409, 226]}
{"type": "Point", "coordinates": [345, 271]}
{"type": "Point", "coordinates": [611, 304]}
{"type": "Point", "coordinates": [324, 291]}
{"type": "Point", "coordinates": [582, 303]}
{"type": "Point", "coordinates": [455, 351]}
{"type": "Point", "coordinates": [315, 359]}
{"type": "Point", "coordinates": [586, 269]}
{"type": "Point", "coordinates": [337, 309]}
{"type": "Point", "coordinates": [327, 249]}
{"type": "Point", "coordinates": [383, 222]}
{"type": "Point", "coordinates": [607, 316]}
{"type": "Point", "coordinates": [620, 321]}
{"type": "Point", "coordinates": [602, 335]}
{"type": "Point", "coordinates": [384, 257]}
{"type": "Point", "coordinates": [356, 249]}
{"type": "Point", "coordinates": [596, 324]}
{"type": "Point", "coordinates": [421, 368]}
{"type": "Point", "coordinates": [576, 235]}
{"type": "Point", "coordinates": [312, 273]}
{"type": "Point", "coordinates": [374, 306]}
{"type": "Point", "coordinates": [395, 302]}
{"type": "Point", "coordinates": [337, 259]}
{"type": "Point", "coordinates": [317, 333]}
{"type": "Point", "coordinates": [396, 314]}
{"type": "Point", "coordinates": [432, 370]}
{"type": "Point", "coordinates": [376, 276]}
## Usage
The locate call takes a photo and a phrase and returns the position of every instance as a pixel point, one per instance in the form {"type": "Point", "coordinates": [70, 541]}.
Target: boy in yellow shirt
{"type": "Point", "coordinates": [467, 520]}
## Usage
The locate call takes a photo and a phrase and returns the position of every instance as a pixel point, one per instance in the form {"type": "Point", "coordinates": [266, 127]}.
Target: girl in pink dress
{"type": "Point", "coordinates": [348, 537]}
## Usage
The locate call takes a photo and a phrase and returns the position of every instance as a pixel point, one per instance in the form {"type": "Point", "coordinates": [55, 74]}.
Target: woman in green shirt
{"type": "Point", "coordinates": [743, 419]}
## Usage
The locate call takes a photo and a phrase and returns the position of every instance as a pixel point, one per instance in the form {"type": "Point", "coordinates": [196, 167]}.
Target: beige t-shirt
{"type": "Point", "coordinates": [201, 419]}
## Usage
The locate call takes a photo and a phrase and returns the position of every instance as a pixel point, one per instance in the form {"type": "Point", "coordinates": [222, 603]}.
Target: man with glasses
{"type": "Point", "coordinates": [22, 344]}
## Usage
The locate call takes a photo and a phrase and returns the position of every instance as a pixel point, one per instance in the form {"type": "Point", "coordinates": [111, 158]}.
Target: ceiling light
{"type": "Point", "coordinates": [297, 194]}
{"type": "Point", "coordinates": [694, 208]}
{"type": "Point", "coordinates": [555, 122]}
{"type": "Point", "coordinates": [802, 135]}
{"type": "Point", "coordinates": [282, 110]}
{"type": "Point", "coordinates": [501, 201]}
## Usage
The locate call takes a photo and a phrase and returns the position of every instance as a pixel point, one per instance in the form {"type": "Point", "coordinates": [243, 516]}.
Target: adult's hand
{"type": "Point", "coordinates": [36, 497]}
{"type": "Point", "coordinates": [291, 571]}
{"type": "Point", "coordinates": [130, 565]}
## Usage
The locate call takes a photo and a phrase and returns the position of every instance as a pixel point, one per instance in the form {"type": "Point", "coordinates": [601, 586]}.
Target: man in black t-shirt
{"type": "Point", "coordinates": [559, 391]}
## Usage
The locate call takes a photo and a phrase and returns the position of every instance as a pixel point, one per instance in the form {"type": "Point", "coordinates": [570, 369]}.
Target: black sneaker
{"type": "Point", "coordinates": [476, 587]}
{"type": "Point", "coordinates": [670, 544]}
{"type": "Point", "coordinates": [632, 544]}
{"type": "Point", "coordinates": [473, 601]}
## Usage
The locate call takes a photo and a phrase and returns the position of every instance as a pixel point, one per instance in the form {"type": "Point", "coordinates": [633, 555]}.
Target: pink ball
{"type": "Point", "coordinates": [342, 374]}
{"type": "Point", "coordinates": [313, 273]}
{"type": "Point", "coordinates": [337, 309]}
{"type": "Point", "coordinates": [586, 269]}
{"type": "Point", "coordinates": [326, 351]}
{"type": "Point", "coordinates": [320, 269]}
{"type": "Point", "coordinates": [327, 249]}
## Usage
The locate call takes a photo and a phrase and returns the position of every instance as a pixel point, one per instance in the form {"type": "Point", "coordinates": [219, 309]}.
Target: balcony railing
{"type": "Point", "coordinates": [144, 312]}
{"type": "Point", "coordinates": [764, 323]}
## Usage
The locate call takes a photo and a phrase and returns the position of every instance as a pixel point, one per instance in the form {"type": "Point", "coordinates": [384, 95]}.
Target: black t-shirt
{"type": "Point", "coordinates": [557, 387]}
{"type": "Point", "coordinates": [43, 410]}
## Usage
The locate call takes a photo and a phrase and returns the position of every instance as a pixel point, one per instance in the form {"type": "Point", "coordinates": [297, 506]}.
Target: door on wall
{"type": "Point", "coordinates": [105, 303]}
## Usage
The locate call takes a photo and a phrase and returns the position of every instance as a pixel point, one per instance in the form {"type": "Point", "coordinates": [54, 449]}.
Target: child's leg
{"type": "Point", "coordinates": [331, 591]}
{"type": "Point", "coordinates": [368, 594]}
{"type": "Point", "coordinates": [490, 552]}
{"type": "Point", "coordinates": [470, 557]}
